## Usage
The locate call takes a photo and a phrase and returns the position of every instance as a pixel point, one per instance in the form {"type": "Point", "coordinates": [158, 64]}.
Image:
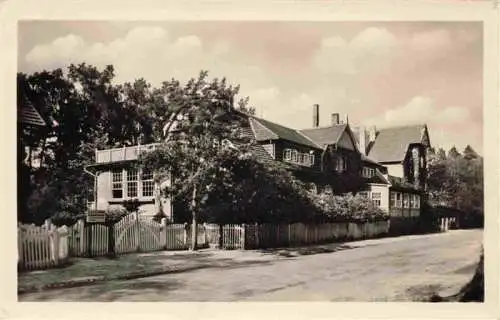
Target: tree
{"type": "Point", "coordinates": [200, 143]}
{"type": "Point", "coordinates": [456, 181]}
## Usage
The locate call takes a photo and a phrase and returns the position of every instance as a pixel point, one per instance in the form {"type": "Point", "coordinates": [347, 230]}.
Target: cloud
{"type": "Point", "coordinates": [336, 55]}
{"type": "Point", "coordinates": [446, 125]}
{"type": "Point", "coordinates": [148, 52]}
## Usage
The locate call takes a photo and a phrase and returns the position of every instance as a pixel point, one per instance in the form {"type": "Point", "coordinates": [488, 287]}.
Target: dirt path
{"type": "Point", "coordinates": [400, 269]}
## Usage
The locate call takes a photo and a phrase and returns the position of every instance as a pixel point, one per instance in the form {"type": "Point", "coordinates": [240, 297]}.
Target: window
{"type": "Point", "coordinates": [393, 199]}
{"type": "Point", "coordinates": [294, 156]}
{"type": "Point", "coordinates": [147, 184]}
{"type": "Point", "coordinates": [341, 164]}
{"type": "Point", "coordinates": [406, 200]}
{"type": "Point", "coordinates": [415, 201]}
{"type": "Point", "coordinates": [132, 183]}
{"type": "Point", "coordinates": [117, 183]}
{"type": "Point", "coordinates": [363, 194]}
{"type": "Point", "coordinates": [288, 154]}
{"type": "Point", "coordinates": [399, 202]}
{"type": "Point", "coordinates": [368, 172]}
{"type": "Point", "coordinates": [377, 198]}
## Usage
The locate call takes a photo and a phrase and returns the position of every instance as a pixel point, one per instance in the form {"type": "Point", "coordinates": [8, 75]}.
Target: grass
{"type": "Point", "coordinates": [88, 268]}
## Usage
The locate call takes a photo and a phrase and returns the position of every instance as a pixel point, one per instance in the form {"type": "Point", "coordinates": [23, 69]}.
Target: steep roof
{"type": "Point", "coordinates": [391, 144]}
{"type": "Point", "coordinates": [267, 130]}
{"type": "Point", "coordinates": [326, 135]}
{"type": "Point", "coordinates": [27, 114]}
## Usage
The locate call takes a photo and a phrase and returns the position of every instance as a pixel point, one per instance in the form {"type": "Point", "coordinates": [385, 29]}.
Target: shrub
{"type": "Point", "coordinates": [132, 205]}
{"type": "Point", "coordinates": [348, 208]}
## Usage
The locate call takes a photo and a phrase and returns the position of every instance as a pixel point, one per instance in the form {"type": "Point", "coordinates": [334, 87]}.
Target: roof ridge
{"type": "Point", "coordinates": [265, 127]}
{"type": "Point", "coordinates": [403, 126]}
{"type": "Point", "coordinates": [324, 127]}
{"type": "Point", "coordinates": [298, 131]}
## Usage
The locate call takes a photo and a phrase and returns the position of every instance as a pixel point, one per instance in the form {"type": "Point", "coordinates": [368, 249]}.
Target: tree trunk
{"type": "Point", "coordinates": [194, 224]}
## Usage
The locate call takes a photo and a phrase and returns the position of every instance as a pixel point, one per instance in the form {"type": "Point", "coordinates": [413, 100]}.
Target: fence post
{"type": "Point", "coordinates": [88, 229]}
{"type": "Point", "coordinates": [164, 232]}
{"type": "Point", "coordinates": [256, 235]}
{"type": "Point", "coordinates": [136, 232]}
{"type": "Point", "coordinates": [55, 234]}
{"type": "Point", "coordinates": [185, 234]}
{"type": "Point", "coordinates": [111, 239]}
{"type": "Point", "coordinates": [20, 254]}
{"type": "Point", "coordinates": [242, 241]}
{"type": "Point", "coordinates": [205, 237]}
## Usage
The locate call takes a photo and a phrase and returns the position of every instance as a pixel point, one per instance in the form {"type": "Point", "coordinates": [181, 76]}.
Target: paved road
{"type": "Point", "coordinates": [392, 269]}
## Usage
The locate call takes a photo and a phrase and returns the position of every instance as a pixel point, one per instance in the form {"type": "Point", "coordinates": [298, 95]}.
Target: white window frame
{"type": "Point", "coordinates": [287, 154]}
{"type": "Point", "coordinates": [341, 164]}
{"type": "Point", "coordinates": [147, 184]}
{"type": "Point", "coordinates": [311, 160]}
{"type": "Point", "coordinates": [295, 156]}
{"type": "Point", "coordinates": [377, 200]}
{"type": "Point", "coordinates": [123, 184]}
{"type": "Point", "coordinates": [399, 200]}
{"type": "Point", "coordinates": [132, 183]}
{"type": "Point", "coordinates": [117, 183]}
{"type": "Point", "coordinates": [406, 200]}
{"type": "Point", "coordinates": [392, 199]}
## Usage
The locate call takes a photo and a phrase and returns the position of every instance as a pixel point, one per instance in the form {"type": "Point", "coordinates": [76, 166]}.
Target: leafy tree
{"type": "Point", "coordinates": [200, 141]}
{"type": "Point", "coordinates": [456, 181]}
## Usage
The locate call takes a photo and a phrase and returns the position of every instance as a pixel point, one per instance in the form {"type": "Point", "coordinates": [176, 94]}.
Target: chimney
{"type": "Point", "coordinates": [335, 119]}
{"type": "Point", "coordinates": [372, 133]}
{"type": "Point", "coordinates": [362, 140]}
{"type": "Point", "coordinates": [315, 115]}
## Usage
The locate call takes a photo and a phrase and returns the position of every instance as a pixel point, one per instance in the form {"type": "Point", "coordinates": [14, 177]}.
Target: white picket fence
{"type": "Point", "coordinates": [42, 247]}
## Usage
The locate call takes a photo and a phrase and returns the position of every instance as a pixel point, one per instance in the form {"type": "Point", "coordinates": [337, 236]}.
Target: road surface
{"type": "Point", "coordinates": [391, 269]}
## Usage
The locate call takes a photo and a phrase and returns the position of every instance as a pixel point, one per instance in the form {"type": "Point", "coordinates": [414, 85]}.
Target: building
{"type": "Point", "coordinates": [387, 166]}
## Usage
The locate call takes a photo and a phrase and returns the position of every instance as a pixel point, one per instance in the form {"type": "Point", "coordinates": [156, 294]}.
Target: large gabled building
{"type": "Point", "coordinates": [387, 166]}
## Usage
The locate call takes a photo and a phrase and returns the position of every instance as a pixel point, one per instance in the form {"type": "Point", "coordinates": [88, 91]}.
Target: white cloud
{"type": "Point", "coordinates": [446, 125]}
{"type": "Point", "coordinates": [147, 52]}
{"type": "Point", "coordinates": [336, 55]}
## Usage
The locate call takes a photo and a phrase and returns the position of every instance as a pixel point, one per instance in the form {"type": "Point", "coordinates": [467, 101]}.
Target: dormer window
{"type": "Point", "coordinates": [368, 172]}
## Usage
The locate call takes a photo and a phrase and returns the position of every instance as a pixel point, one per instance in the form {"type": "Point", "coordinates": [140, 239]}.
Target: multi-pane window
{"type": "Point", "coordinates": [117, 183]}
{"type": "Point", "coordinates": [363, 194]}
{"type": "Point", "coordinates": [288, 154]}
{"type": "Point", "coordinates": [368, 172]}
{"type": "Point", "coordinates": [132, 183]}
{"type": "Point", "coordinates": [393, 199]}
{"type": "Point", "coordinates": [406, 200]}
{"type": "Point", "coordinates": [294, 156]}
{"type": "Point", "coordinates": [399, 200]}
{"type": "Point", "coordinates": [377, 198]}
{"type": "Point", "coordinates": [147, 184]}
{"type": "Point", "coordinates": [415, 201]}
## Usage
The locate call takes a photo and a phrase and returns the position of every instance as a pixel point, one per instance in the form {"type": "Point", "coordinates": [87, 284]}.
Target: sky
{"type": "Point", "coordinates": [377, 73]}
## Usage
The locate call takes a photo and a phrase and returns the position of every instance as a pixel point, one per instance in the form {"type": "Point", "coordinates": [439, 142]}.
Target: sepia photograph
{"type": "Point", "coordinates": [232, 160]}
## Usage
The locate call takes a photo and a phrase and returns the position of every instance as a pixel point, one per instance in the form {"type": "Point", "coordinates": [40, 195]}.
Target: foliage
{"type": "Point", "coordinates": [456, 180]}
{"type": "Point", "coordinates": [350, 208]}
{"type": "Point", "coordinates": [131, 205]}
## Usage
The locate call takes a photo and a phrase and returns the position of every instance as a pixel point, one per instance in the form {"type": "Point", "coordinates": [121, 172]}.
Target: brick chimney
{"type": "Point", "coordinates": [372, 133]}
{"type": "Point", "coordinates": [315, 115]}
{"type": "Point", "coordinates": [335, 119]}
{"type": "Point", "coordinates": [362, 140]}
